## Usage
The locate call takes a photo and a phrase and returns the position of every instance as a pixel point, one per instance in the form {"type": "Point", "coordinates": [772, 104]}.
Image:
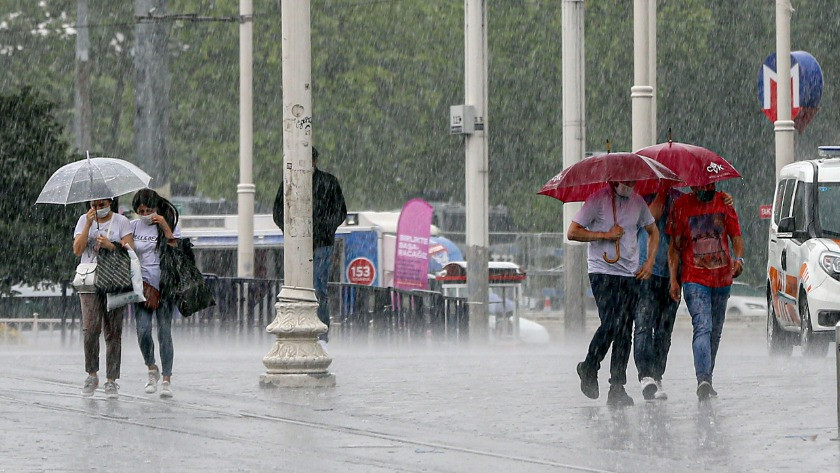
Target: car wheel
{"type": "Point", "coordinates": [733, 312]}
{"type": "Point", "coordinates": [812, 344]}
{"type": "Point", "coordinates": [778, 341]}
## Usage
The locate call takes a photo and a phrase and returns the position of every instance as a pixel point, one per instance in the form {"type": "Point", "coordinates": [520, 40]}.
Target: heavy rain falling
{"type": "Point", "coordinates": [144, 345]}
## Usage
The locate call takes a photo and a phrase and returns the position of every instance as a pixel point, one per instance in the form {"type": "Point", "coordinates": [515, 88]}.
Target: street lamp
{"type": "Point", "coordinates": [297, 360]}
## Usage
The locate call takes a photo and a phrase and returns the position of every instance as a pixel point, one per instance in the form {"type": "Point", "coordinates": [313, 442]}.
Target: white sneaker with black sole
{"type": "Point", "coordinates": [660, 392]}
{"type": "Point", "coordinates": [648, 388]}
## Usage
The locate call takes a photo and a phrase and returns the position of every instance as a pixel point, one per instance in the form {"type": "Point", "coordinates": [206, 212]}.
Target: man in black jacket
{"type": "Point", "coordinates": [328, 212]}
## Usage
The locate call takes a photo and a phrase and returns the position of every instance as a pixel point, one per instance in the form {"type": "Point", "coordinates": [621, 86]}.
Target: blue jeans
{"type": "Point", "coordinates": [616, 298]}
{"type": "Point", "coordinates": [144, 334]}
{"type": "Point", "coordinates": [707, 306]}
{"type": "Point", "coordinates": [654, 325]}
{"type": "Point", "coordinates": [321, 273]}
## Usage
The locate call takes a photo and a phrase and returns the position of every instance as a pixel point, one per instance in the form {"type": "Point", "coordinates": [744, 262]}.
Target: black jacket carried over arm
{"type": "Point", "coordinates": [328, 208]}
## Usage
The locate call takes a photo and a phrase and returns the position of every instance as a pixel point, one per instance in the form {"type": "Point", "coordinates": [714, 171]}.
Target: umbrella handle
{"type": "Point", "coordinates": [617, 246]}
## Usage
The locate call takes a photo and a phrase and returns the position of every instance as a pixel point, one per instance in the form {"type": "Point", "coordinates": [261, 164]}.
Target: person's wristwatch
{"type": "Point", "coordinates": [740, 260]}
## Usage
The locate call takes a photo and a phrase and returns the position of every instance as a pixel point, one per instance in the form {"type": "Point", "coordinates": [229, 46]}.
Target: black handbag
{"type": "Point", "coordinates": [182, 281]}
{"type": "Point", "coordinates": [113, 271]}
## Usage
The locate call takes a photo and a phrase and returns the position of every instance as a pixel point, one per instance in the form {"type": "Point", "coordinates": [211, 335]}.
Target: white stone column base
{"type": "Point", "coordinates": [297, 360]}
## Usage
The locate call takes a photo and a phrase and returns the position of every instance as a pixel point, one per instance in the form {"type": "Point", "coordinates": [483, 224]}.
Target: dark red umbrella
{"type": "Point", "coordinates": [695, 166]}
{"type": "Point", "coordinates": [579, 181]}
{"type": "Point", "coordinates": [584, 178]}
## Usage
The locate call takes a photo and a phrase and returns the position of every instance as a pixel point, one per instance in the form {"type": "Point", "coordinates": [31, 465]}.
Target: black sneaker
{"type": "Point", "coordinates": [712, 391]}
{"type": "Point", "coordinates": [618, 397]}
{"type": "Point", "coordinates": [704, 390]}
{"type": "Point", "coordinates": [588, 381]}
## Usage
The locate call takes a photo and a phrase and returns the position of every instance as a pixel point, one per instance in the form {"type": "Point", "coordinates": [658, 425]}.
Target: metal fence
{"type": "Point", "coordinates": [246, 306]}
{"type": "Point", "coordinates": [361, 313]}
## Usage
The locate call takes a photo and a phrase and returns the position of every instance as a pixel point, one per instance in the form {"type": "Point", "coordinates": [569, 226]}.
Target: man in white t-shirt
{"type": "Point", "coordinates": [613, 214]}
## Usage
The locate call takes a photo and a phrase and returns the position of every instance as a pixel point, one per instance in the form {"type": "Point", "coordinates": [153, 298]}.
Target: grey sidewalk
{"type": "Point", "coordinates": [435, 408]}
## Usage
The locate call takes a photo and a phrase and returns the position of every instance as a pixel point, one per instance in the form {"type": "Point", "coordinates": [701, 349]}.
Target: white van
{"type": "Point", "coordinates": [803, 262]}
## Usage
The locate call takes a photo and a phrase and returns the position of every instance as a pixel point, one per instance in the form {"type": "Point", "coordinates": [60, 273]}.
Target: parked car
{"type": "Point", "coordinates": [803, 261]}
{"type": "Point", "coordinates": [744, 300]}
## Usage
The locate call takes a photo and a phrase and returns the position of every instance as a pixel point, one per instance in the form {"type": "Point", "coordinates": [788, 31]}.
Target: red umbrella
{"type": "Point", "coordinates": [584, 178]}
{"type": "Point", "coordinates": [579, 181]}
{"type": "Point", "coordinates": [695, 166]}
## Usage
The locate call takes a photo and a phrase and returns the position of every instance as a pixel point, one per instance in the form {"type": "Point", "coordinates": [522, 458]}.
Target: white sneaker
{"type": "Point", "coordinates": [660, 392]}
{"type": "Point", "coordinates": [649, 388]}
{"type": "Point", "coordinates": [151, 384]}
{"type": "Point", "coordinates": [112, 390]}
{"type": "Point", "coordinates": [165, 390]}
{"type": "Point", "coordinates": [91, 382]}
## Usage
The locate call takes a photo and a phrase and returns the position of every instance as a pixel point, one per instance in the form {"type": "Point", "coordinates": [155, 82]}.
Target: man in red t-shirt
{"type": "Point", "coordinates": [701, 227]}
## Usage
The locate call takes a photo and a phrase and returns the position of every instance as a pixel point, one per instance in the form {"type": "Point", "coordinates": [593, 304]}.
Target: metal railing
{"type": "Point", "coordinates": [240, 302]}
{"type": "Point", "coordinates": [361, 313]}
{"type": "Point", "coordinates": [245, 305]}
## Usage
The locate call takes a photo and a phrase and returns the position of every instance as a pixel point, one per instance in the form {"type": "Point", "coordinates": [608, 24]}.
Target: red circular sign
{"type": "Point", "coordinates": [361, 271]}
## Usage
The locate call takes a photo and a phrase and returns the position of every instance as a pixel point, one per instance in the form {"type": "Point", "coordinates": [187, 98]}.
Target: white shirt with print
{"type": "Point", "coordinates": [115, 229]}
{"type": "Point", "coordinates": [145, 245]}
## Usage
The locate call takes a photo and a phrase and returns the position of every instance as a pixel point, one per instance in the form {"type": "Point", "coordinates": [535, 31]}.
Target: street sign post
{"type": "Point", "coordinates": [806, 88]}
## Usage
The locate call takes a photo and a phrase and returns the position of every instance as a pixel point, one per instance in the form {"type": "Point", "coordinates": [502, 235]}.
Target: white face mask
{"type": "Point", "coordinates": [102, 213]}
{"type": "Point", "coordinates": [623, 190]}
{"type": "Point", "coordinates": [147, 219]}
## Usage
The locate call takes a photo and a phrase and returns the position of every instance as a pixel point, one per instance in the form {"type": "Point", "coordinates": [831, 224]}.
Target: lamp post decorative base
{"type": "Point", "coordinates": [297, 360]}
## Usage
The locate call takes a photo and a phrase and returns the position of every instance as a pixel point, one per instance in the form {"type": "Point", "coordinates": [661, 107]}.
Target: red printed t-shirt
{"type": "Point", "coordinates": [704, 228]}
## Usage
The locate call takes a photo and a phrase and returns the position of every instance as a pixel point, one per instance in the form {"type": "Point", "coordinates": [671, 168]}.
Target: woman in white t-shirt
{"type": "Point", "coordinates": [157, 226]}
{"type": "Point", "coordinates": [100, 228]}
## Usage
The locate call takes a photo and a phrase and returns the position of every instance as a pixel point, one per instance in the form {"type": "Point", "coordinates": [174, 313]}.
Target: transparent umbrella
{"type": "Point", "coordinates": [92, 179]}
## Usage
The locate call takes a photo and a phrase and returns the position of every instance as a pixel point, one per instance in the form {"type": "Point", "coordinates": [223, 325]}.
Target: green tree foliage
{"type": "Point", "coordinates": [36, 238]}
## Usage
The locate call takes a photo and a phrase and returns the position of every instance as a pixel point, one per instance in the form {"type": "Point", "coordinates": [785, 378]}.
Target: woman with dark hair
{"type": "Point", "coordinates": [156, 226]}
{"type": "Point", "coordinates": [100, 228]}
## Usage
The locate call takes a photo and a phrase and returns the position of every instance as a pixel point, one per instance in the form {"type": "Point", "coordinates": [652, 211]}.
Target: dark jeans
{"type": "Point", "coordinates": [95, 316]}
{"type": "Point", "coordinates": [321, 271]}
{"type": "Point", "coordinates": [616, 298]}
{"type": "Point", "coordinates": [144, 334]}
{"type": "Point", "coordinates": [654, 324]}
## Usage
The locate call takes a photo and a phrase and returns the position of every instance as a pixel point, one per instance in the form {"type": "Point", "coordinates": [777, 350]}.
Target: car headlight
{"type": "Point", "coordinates": [755, 306]}
{"type": "Point", "coordinates": [830, 263]}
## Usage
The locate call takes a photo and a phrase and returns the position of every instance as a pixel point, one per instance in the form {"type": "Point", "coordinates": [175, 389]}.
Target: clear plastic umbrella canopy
{"type": "Point", "coordinates": [92, 179]}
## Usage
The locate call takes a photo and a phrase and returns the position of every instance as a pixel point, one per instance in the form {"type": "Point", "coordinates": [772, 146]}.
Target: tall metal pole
{"type": "Point", "coordinates": [477, 168]}
{"type": "Point", "coordinates": [246, 188]}
{"type": "Point", "coordinates": [151, 94]}
{"type": "Point", "coordinates": [83, 112]}
{"type": "Point", "coordinates": [297, 360]}
{"type": "Point", "coordinates": [641, 93]}
{"type": "Point", "coordinates": [574, 150]}
{"type": "Point", "coordinates": [784, 124]}
{"type": "Point", "coordinates": [652, 61]}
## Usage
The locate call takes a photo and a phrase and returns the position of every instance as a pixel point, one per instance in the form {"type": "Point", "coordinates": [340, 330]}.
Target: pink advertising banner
{"type": "Point", "coordinates": [411, 260]}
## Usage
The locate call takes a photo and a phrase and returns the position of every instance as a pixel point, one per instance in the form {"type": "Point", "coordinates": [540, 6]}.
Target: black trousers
{"type": "Point", "coordinates": [654, 325]}
{"type": "Point", "coordinates": [616, 298]}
